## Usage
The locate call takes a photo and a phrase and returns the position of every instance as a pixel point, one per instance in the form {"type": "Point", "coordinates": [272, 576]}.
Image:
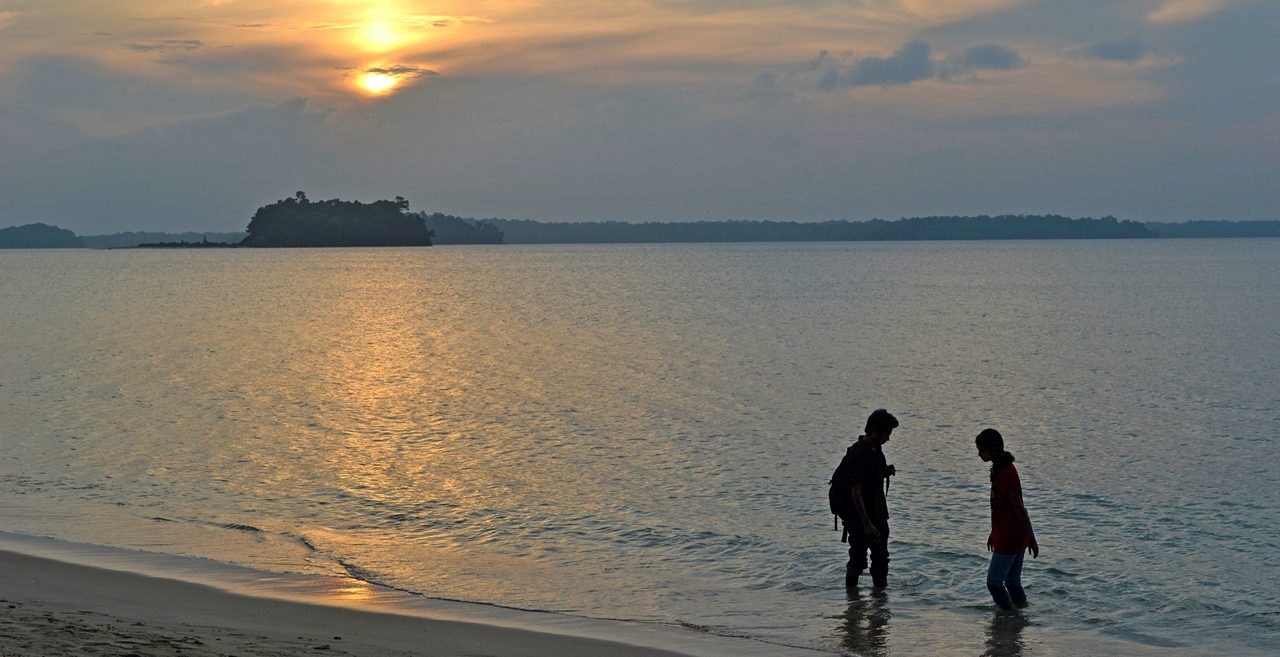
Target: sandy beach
{"type": "Point", "coordinates": [50, 608]}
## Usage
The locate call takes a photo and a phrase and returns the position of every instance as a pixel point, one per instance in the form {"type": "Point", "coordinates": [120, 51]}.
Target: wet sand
{"type": "Point", "coordinates": [50, 608]}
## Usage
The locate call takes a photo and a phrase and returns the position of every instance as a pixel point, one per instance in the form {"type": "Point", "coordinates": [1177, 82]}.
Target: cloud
{"type": "Point", "coordinates": [403, 71]}
{"type": "Point", "coordinates": [1129, 50]}
{"type": "Point", "coordinates": [103, 97]}
{"type": "Point", "coordinates": [988, 57]}
{"type": "Point", "coordinates": [724, 108]}
{"type": "Point", "coordinates": [67, 81]}
{"type": "Point", "coordinates": [7, 18]}
{"type": "Point", "coordinates": [767, 88]}
{"type": "Point", "coordinates": [910, 63]}
{"type": "Point", "coordinates": [1181, 11]}
{"type": "Point", "coordinates": [244, 126]}
{"type": "Point", "coordinates": [215, 169]}
{"type": "Point", "coordinates": [944, 11]}
{"type": "Point", "coordinates": [167, 45]}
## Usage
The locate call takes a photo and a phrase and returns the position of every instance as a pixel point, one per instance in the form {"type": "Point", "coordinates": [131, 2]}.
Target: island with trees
{"type": "Point", "coordinates": [301, 222]}
{"type": "Point", "coordinates": [39, 236]}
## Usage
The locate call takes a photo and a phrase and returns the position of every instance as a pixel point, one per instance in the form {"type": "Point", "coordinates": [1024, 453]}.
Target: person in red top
{"type": "Point", "coordinates": [1011, 532]}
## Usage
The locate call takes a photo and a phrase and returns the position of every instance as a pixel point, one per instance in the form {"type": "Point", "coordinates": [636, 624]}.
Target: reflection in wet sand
{"type": "Point", "coordinates": [1004, 635]}
{"type": "Point", "coordinates": [865, 624]}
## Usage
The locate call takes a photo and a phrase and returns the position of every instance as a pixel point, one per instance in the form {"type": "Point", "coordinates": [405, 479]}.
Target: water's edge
{"type": "Point", "coordinates": [357, 594]}
{"type": "Point", "coordinates": [354, 593]}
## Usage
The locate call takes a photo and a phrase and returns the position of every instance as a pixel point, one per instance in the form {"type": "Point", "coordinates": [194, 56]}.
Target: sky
{"type": "Point", "coordinates": [179, 115]}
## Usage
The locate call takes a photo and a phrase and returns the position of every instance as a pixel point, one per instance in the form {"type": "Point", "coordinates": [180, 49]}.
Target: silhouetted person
{"type": "Point", "coordinates": [1011, 532]}
{"type": "Point", "coordinates": [858, 497]}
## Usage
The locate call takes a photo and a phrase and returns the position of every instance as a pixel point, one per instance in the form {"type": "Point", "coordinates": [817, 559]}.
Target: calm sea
{"type": "Point", "coordinates": [645, 432]}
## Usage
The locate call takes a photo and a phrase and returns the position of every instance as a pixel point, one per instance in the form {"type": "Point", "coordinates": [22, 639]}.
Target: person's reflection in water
{"type": "Point", "coordinates": [865, 629]}
{"type": "Point", "coordinates": [1004, 635]}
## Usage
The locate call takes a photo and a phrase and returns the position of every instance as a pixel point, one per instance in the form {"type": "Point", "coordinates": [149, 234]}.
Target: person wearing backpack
{"type": "Point", "coordinates": [857, 497]}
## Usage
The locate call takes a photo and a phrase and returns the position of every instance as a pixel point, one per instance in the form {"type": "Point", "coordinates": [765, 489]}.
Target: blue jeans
{"type": "Point", "coordinates": [1004, 580]}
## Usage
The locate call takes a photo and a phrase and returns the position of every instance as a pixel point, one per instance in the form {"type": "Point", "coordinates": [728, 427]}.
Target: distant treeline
{"type": "Point", "coordinates": [298, 222]}
{"type": "Point", "coordinates": [1217, 229]}
{"type": "Point", "coordinates": [447, 229]}
{"type": "Point", "coordinates": [129, 239]}
{"type": "Point", "coordinates": [203, 244]}
{"type": "Point", "coordinates": [1005, 227]}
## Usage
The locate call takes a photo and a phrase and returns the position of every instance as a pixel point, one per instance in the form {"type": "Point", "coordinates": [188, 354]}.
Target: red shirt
{"type": "Point", "coordinates": [1010, 529]}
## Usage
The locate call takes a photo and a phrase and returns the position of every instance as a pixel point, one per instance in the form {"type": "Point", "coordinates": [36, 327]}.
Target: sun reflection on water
{"type": "Point", "coordinates": [351, 592]}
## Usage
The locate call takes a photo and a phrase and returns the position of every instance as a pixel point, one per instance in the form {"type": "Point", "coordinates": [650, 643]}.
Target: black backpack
{"type": "Point", "coordinates": [838, 492]}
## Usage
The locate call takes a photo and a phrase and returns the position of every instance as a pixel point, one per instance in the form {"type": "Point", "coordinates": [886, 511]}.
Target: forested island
{"type": "Point", "coordinates": [38, 236]}
{"type": "Point", "coordinates": [301, 222]}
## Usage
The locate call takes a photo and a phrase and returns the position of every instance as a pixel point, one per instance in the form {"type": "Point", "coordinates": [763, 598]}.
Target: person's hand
{"type": "Point", "coordinates": [1034, 549]}
{"type": "Point", "coordinates": [991, 546]}
{"type": "Point", "coordinates": [871, 532]}
{"type": "Point", "coordinates": [890, 471]}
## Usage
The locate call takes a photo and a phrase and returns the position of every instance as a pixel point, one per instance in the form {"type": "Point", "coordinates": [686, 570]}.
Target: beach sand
{"type": "Point", "coordinates": [51, 608]}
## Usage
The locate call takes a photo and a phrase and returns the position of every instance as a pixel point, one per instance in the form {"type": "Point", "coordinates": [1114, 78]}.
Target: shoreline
{"type": "Point", "coordinates": [65, 598]}
{"type": "Point", "coordinates": [59, 598]}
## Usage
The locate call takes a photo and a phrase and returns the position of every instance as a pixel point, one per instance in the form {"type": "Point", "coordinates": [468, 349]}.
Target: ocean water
{"type": "Point", "coordinates": [645, 432]}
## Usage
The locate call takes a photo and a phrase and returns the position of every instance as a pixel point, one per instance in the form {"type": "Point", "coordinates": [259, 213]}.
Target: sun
{"type": "Point", "coordinates": [377, 83]}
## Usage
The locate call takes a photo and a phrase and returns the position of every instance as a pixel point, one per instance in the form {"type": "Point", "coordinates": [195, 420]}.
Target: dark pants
{"type": "Point", "coordinates": [1004, 580]}
{"type": "Point", "coordinates": [859, 546]}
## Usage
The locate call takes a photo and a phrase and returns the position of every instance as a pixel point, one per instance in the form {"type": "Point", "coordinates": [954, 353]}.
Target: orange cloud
{"type": "Point", "coordinates": [1181, 11]}
{"type": "Point", "coordinates": [946, 11]}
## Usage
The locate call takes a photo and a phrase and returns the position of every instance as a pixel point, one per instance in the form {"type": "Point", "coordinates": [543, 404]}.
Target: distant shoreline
{"type": "Point", "coordinates": [458, 230]}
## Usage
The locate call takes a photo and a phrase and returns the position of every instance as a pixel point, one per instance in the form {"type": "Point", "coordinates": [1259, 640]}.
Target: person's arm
{"type": "Point", "coordinates": [1020, 512]}
{"type": "Point", "coordinates": [868, 528]}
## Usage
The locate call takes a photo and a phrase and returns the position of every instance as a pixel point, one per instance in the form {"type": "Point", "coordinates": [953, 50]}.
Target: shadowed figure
{"type": "Point", "coordinates": [1011, 531]}
{"type": "Point", "coordinates": [857, 496]}
{"type": "Point", "coordinates": [865, 624]}
{"type": "Point", "coordinates": [1004, 635]}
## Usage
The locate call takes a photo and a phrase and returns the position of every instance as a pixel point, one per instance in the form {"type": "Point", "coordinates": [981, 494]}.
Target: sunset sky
{"type": "Point", "coordinates": [189, 114]}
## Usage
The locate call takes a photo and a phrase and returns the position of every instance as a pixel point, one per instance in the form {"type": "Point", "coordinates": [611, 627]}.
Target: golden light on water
{"type": "Point", "coordinates": [377, 83]}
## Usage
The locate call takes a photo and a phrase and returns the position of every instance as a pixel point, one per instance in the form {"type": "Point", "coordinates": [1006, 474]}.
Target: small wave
{"type": "Point", "coordinates": [356, 572]}
{"type": "Point", "coordinates": [237, 527]}
{"type": "Point", "coordinates": [369, 577]}
{"type": "Point", "coordinates": [306, 543]}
